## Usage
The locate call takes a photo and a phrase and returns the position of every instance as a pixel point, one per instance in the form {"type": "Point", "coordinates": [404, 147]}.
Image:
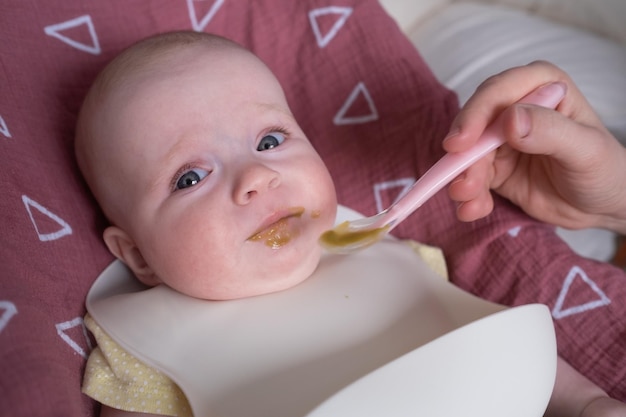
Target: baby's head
{"type": "Point", "coordinates": [188, 144]}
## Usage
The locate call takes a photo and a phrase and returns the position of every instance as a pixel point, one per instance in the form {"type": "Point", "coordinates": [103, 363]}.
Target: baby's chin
{"type": "Point", "coordinates": [269, 285]}
{"type": "Point", "coordinates": [248, 292]}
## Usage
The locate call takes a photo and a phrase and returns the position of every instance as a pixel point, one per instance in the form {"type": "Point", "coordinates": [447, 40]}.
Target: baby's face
{"type": "Point", "coordinates": [224, 195]}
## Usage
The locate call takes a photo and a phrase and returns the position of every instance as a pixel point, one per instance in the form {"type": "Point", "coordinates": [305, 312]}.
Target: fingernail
{"type": "Point", "coordinates": [454, 131]}
{"type": "Point", "coordinates": [460, 178]}
{"type": "Point", "coordinates": [557, 89]}
{"type": "Point", "coordinates": [522, 121]}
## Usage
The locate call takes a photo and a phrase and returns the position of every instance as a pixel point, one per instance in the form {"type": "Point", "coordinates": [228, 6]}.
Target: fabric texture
{"type": "Point", "coordinates": [362, 95]}
{"type": "Point", "coordinates": [605, 17]}
{"type": "Point", "coordinates": [327, 54]}
{"type": "Point", "coordinates": [466, 43]}
{"type": "Point", "coordinates": [116, 378]}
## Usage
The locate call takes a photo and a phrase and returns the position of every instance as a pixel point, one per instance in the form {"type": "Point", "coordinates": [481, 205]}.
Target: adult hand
{"type": "Point", "coordinates": [563, 167]}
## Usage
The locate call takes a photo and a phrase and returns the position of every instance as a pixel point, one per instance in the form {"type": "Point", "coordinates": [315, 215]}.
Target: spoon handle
{"type": "Point", "coordinates": [452, 164]}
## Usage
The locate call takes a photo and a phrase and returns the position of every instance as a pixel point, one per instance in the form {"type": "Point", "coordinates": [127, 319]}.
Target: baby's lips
{"type": "Point", "coordinates": [278, 234]}
{"type": "Point", "coordinates": [275, 229]}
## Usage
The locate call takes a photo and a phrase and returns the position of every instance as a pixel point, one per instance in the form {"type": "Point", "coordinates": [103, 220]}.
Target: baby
{"type": "Point", "coordinates": [188, 144]}
{"type": "Point", "coordinates": [206, 172]}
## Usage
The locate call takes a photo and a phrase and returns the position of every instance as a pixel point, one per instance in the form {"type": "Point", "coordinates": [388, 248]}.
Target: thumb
{"type": "Point", "coordinates": [541, 131]}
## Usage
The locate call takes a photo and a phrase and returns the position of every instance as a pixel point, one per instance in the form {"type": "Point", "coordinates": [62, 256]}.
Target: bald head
{"type": "Point", "coordinates": [98, 149]}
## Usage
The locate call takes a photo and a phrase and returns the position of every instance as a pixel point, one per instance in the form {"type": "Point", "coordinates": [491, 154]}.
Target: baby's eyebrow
{"type": "Point", "coordinates": [273, 107]}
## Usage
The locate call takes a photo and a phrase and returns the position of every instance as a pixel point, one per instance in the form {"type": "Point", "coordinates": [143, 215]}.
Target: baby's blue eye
{"type": "Point", "coordinates": [191, 178]}
{"type": "Point", "coordinates": [271, 140]}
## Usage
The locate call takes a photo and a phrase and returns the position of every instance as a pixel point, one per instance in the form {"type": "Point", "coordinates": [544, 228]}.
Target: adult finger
{"type": "Point", "coordinates": [540, 131]}
{"type": "Point", "coordinates": [493, 96]}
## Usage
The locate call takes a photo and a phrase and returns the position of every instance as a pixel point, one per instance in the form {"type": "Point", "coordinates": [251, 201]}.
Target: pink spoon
{"type": "Point", "coordinates": [357, 234]}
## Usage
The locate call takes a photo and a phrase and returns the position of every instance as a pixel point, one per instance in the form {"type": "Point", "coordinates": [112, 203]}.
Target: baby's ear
{"type": "Point", "coordinates": [124, 248]}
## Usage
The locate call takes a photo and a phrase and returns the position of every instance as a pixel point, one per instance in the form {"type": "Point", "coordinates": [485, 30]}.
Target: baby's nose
{"type": "Point", "coordinates": [253, 180]}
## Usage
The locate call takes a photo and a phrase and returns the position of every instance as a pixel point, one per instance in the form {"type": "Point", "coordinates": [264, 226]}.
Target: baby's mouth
{"type": "Point", "coordinates": [279, 233]}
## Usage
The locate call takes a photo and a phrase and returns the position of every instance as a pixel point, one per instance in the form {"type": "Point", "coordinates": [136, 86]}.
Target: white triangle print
{"type": "Point", "coordinates": [7, 311]}
{"type": "Point", "coordinates": [4, 128]}
{"type": "Point", "coordinates": [56, 29]}
{"type": "Point", "coordinates": [359, 91]}
{"type": "Point", "coordinates": [514, 231]}
{"type": "Point", "coordinates": [324, 39]}
{"type": "Point", "coordinates": [558, 312]}
{"type": "Point", "coordinates": [62, 329]}
{"type": "Point", "coordinates": [404, 184]}
{"type": "Point", "coordinates": [63, 231]}
{"type": "Point", "coordinates": [199, 25]}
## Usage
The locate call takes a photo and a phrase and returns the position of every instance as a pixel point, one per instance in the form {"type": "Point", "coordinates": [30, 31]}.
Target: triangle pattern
{"type": "Point", "coordinates": [200, 25]}
{"type": "Point", "coordinates": [63, 231]}
{"type": "Point", "coordinates": [56, 32]}
{"type": "Point", "coordinates": [4, 129]}
{"type": "Point", "coordinates": [315, 17]}
{"type": "Point", "coordinates": [514, 231]}
{"type": "Point", "coordinates": [66, 326]}
{"type": "Point", "coordinates": [403, 184]}
{"type": "Point", "coordinates": [7, 311]}
{"type": "Point", "coordinates": [576, 275]}
{"type": "Point", "coordinates": [359, 93]}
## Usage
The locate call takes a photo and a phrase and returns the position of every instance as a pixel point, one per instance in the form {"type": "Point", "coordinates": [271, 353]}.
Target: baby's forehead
{"type": "Point", "coordinates": [164, 56]}
{"type": "Point", "coordinates": [160, 54]}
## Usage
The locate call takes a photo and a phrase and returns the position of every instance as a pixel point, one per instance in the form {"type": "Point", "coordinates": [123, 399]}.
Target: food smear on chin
{"type": "Point", "coordinates": [280, 233]}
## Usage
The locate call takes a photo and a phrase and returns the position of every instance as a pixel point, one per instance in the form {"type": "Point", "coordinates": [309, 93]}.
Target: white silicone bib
{"type": "Point", "coordinates": [376, 333]}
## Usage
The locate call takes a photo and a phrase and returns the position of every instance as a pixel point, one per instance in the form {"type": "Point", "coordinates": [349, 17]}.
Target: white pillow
{"type": "Point", "coordinates": [605, 17]}
{"type": "Point", "coordinates": [466, 43]}
{"type": "Point", "coordinates": [409, 13]}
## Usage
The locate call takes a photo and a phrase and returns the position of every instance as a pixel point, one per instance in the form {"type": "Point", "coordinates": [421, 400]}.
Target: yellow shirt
{"type": "Point", "coordinates": [117, 379]}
